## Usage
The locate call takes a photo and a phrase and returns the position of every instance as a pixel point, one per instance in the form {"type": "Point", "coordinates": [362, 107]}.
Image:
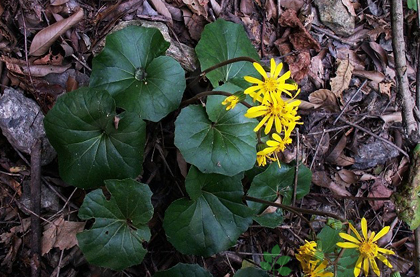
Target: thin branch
{"type": "Point", "coordinates": [376, 136]}
{"type": "Point", "coordinates": [398, 45]}
{"type": "Point", "coordinates": [36, 208]}
{"type": "Point", "coordinates": [349, 101]}
{"type": "Point", "coordinates": [294, 209]}
{"type": "Point", "coordinates": [295, 181]}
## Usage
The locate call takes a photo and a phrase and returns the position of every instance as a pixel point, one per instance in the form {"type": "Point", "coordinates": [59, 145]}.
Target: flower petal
{"type": "Point", "coordinates": [269, 125]}
{"type": "Point", "coordinates": [385, 251]}
{"type": "Point", "coordinates": [366, 266]}
{"type": "Point", "coordinates": [278, 70]}
{"type": "Point", "coordinates": [355, 231]}
{"type": "Point", "coordinates": [260, 70]}
{"type": "Point", "coordinates": [374, 266]}
{"type": "Point", "coordinates": [364, 228]}
{"type": "Point", "coordinates": [382, 233]}
{"type": "Point", "coordinates": [253, 80]}
{"type": "Point", "coordinates": [358, 266]}
{"type": "Point", "coordinates": [347, 245]}
{"type": "Point", "coordinates": [272, 67]}
{"type": "Point", "coordinates": [260, 124]}
{"type": "Point", "coordinates": [349, 238]}
{"type": "Point", "coordinates": [278, 124]}
{"type": "Point", "coordinates": [384, 260]}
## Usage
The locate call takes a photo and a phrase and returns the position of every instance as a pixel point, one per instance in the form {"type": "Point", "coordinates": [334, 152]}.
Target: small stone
{"type": "Point", "coordinates": [21, 121]}
{"type": "Point", "coordinates": [335, 16]}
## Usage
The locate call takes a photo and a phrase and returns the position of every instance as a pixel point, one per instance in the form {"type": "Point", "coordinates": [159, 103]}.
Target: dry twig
{"type": "Point", "coordinates": [398, 46]}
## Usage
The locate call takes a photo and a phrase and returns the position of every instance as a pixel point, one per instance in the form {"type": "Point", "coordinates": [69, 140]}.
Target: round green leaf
{"type": "Point", "coordinates": [216, 140]}
{"type": "Point", "coordinates": [115, 239]}
{"type": "Point", "coordinates": [182, 270]}
{"type": "Point", "coordinates": [213, 220]}
{"type": "Point", "coordinates": [131, 70]}
{"type": "Point", "coordinates": [93, 142]}
{"type": "Point", "coordinates": [251, 272]}
{"type": "Point", "coordinates": [221, 41]}
{"type": "Point", "coordinates": [277, 180]}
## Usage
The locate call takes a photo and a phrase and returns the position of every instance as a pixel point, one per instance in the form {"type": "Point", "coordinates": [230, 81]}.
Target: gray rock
{"type": "Point", "coordinates": [21, 121]}
{"type": "Point", "coordinates": [335, 16]}
{"type": "Point", "coordinates": [371, 154]}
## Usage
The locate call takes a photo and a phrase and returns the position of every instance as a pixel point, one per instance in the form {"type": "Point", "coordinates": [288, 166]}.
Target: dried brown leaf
{"type": "Point", "coordinates": [161, 8]}
{"type": "Point", "coordinates": [343, 77]}
{"type": "Point", "coordinates": [375, 76]}
{"type": "Point", "coordinates": [46, 37]}
{"type": "Point", "coordinates": [378, 190]}
{"type": "Point", "coordinates": [216, 7]}
{"type": "Point", "coordinates": [349, 7]}
{"type": "Point", "coordinates": [337, 155]}
{"type": "Point", "coordinates": [58, 2]}
{"type": "Point", "coordinates": [324, 98]}
{"type": "Point", "coordinates": [198, 7]}
{"type": "Point", "coordinates": [61, 234]}
{"type": "Point", "coordinates": [321, 179]}
{"type": "Point", "coordinates": [385, 88]}
{"type": "Point", "coordinates": [348, 176]}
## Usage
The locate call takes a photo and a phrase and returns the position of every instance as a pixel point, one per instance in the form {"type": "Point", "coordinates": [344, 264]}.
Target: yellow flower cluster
{"type": "Point", "coordinates": [312, 266]}
{"type": "Point", "coordinates": [367, 247]}
{"type": "Point", "coordinates": [273, 109]}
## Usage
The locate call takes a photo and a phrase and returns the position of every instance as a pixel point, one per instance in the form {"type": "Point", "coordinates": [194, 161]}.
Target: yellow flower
{"type": "Point", "coordinates": [283, 114]}
{"type": "Point", "coordinates": [306, 251]}
{"type": "Point", "coordinates": [271, 82]}
{"type": "Point", "coordinates": [262, 158]}
{"type": "Point", "coordinates": [231, 102]}
{"type": "Point", "coordinates": [367, 247]}
{"type": "Point", "coordinates": [313, 269]}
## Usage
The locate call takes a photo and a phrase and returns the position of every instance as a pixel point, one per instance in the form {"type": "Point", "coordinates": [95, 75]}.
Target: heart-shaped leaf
{"type": "Point", "coordinates": [221, 41]}
{"type": "Point", "coordinates": [213, 220]}
{"type": "Point", "coordinates": [277, 180]}
{"type": "Point", "coordinates": [93, 142]}
{"type": "Point", "coordinates": [216, 140]}
{"type": "Point", "coordinates": [115, 239]}
{"type": "Point", "coordinates": [131, 69]}
{"type": "Point", "coordinates": [182, 270]}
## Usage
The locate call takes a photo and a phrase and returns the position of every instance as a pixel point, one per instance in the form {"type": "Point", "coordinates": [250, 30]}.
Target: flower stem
{"type": "Point", "coordinates": [211, 92]}
{"type": "Point", "coordinates": [234, 60]}
{"type": "Point", "coordinates": [294, 209]}
{"type": "Point", "coordinates": [216, 66]}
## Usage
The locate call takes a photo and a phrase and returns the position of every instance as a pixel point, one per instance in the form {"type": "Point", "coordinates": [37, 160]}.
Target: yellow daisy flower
{"type": "Point", "coordinates": [313, 269]}
{"type": "Point", "coordinates": [231, 102]}
{"type": "Point", "coordinates": [307, 251]}
{"type": "Point", "coordinates": [283, 114]}
{"type": "Point", "coordinates": [271, 82]}
{"type": "Point", "coordinates": [262, 158]}
{"type": "Point", "coordinates": [367, 247]}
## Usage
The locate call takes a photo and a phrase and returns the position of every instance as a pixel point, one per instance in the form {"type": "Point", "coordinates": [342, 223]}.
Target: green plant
{"type": "Point", "coordinates": [100, 134]}
{"type": "Point", "coordinates": [275, 263]}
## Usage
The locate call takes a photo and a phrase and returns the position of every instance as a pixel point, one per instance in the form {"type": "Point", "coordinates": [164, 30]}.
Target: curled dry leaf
{"type": "Point", "coordinates": [46, 37]}
{"type": "Point", "coordinates": [19, 67]}
{"type": "Point", "coordinates": [58, 2]}
{"type": "Point", "coordinates": [324, 98]}
{"type": "Point", "coordinates": [337, 155]}
{"type": "Point", "coordinates": [375, 76]}
{"type": "Point", "coordinates": [343, 77]}
{"type": "Point", "coordinates": [162, 9]}
{"type": "Point", "coordinates": [321, 179]}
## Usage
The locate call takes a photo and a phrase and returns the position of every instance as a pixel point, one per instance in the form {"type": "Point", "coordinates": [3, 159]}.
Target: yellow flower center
{"type": "Point", "coordinates": [368, 249]}
{"type": "Point", "coordinates": [270, 84]}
